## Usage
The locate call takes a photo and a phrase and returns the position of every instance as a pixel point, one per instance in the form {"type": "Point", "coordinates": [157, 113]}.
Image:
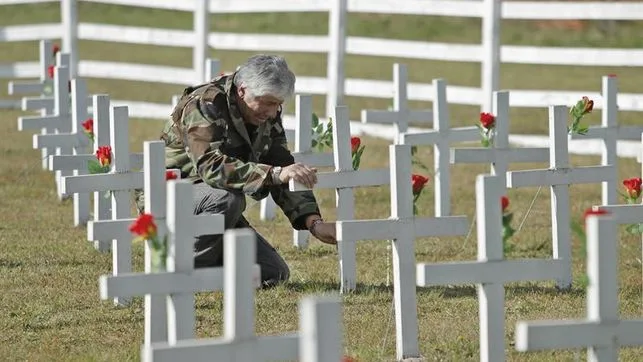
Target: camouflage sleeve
{"type": "Point", "coordinates": [295, 205]}
{"type": "Point", "coordinates": [204, 136]}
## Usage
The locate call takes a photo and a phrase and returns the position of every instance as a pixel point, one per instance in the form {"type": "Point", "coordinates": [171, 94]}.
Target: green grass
{"type": "Point", "coordinates": [49, 273]}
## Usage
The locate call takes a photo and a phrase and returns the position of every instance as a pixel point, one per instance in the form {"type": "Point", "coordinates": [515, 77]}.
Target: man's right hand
{"type": "Point", "coordinates": [299, 172]}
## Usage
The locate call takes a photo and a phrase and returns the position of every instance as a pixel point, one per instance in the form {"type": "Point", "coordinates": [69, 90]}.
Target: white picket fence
{"type": "Point", "coordinates": [336, 45]}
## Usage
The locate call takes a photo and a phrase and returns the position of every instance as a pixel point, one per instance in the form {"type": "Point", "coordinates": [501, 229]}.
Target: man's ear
{"type": "Point", "coordinates": [241, 92]}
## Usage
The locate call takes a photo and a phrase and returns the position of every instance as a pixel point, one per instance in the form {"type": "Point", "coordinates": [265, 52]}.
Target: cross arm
{"type": "Point", "coordinates": [378, 229]}
{"type": "Point", "coordinates": [338, 180]}
{"type": "Point", "coordinates": [79, 162]}
{"type": "Point", "coordinates": [539, 177]}
{"type": "Point", "coordinates": [488, 271]}
{"type": "Point", "coordinates": [458, 134]}
{"type": "Point", "coordinates": [114, 229]}
{"type": "Point", "coordinates": [441, 226]}
{"type": "Point", "coordinates": [625, 133]}
{"type": "Point", "coordinates": [16, 88]}
{"type": "Point", "coordinates": [270, 348]}
{"type": "Point", "coordinates": [102, 182]}
{"type": "Point", "coordinates": [539, 335]}
{"type": "Point", "coordinates": [624, 214]}
{"type": "Point", "coordinates": [36, 103]}
{"type": "Point", "coordinates": [59, 140]}
{"type": "Point", "coordinates": [388, 117]}
{"type": "Point", "coordinates": [38, 122]}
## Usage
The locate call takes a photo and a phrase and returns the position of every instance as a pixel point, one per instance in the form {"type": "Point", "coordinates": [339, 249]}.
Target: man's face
{"type": "Point", "coordinates": [257, 110]}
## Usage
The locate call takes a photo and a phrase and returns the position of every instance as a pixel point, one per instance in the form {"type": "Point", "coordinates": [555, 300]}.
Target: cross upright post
{"type": "Point", "coordinates": [401, 115]}
{"type": "Point", "coordinates": [601, 332]}
{"type": "Point", "coordinates": [75, 139]}
{"type": "Point", "coordinates": [559, 176]}
{"type": "Point", "coordinates": [499, 155]}
{"type": "Point", "coordinates": [344, 179]}
{"type": "Point", "coordinates": [491, 271]}
{"type": "Point", "coordinates": [440, 137]}
{"type": "Point", "coordinates": [403, 228]}
{"type": "Point", "coordinates": [46, 58]}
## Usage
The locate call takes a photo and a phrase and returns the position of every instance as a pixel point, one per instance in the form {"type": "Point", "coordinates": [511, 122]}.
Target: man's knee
{"type": "Point", "coordinates": [217, 201]}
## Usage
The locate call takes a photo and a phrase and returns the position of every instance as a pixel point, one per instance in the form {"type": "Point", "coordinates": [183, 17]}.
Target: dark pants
{"type": "Point", "coordinates": [209, 248]}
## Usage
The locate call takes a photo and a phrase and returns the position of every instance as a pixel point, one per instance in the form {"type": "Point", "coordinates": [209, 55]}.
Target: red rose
{"type": "Point", "coordinates": [170, 175]}
{"type": "Point", "coordinates": [487, 120]}
{"type": "Point", "coordinates": [418, 182]}
{"type": "Point", "coordinates": [88, 125]}
{"type": "Point", "coordinates": [633, 187]}
{"type": "Point", "coordinates": [144, 226]}
{"type": "Point", "coordinates": [104, 155]}
{"type": "Point", "coordinates": [612, 75]}
{"type": "Point", "coordinates": [50, 71]}
{"type": "Point", "coordinates": [504, 201]}
{"type": "Point", "coordinates": [355, 143]}
{"type": "Point", "coordinates": [588, 105]}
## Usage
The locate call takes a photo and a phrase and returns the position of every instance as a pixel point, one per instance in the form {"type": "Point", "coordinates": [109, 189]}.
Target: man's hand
{"type": "Point", "coordinates": [301, 173]}
{"type": "Point", "coordinates": [325, 232]}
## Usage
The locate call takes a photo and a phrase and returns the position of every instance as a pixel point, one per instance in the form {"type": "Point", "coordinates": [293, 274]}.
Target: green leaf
{"type": "Point", "coordinates": [315, 120]}
{"type": "Point", "coordinates": [507, 218]}
{"type": "Point", "coordinates": [314, 143]}
{"type": "Point", "coordinates": [94, 167]}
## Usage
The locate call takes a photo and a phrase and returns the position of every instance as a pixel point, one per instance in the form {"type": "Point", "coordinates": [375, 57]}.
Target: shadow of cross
{"type": "Point", "coordinates": [559, 176]}
{"type": "Point", "coordinates": [59, 121]}
{"type": "Point", "coordinates": [320, 320]}
{"type": "Point", "coordinates": [609, 132]}
{"type": "Point", "coordinates": [500, 155]}
{"type": "Point", "coordinates": [169, 294]}
{"type": "Point", "coordinates": [302, 153]}
{"type": "Point", "coordinates": [75, 141]}
{"type": "Point", "coordinates": [401, 115]}
{"type": "Point", "coordinates": [119, 181]}
{"type": "Point", "coordinates": [403, 228]}
{"type": "Point", "coordinates": [491, 271]}
{"type": "Point", "coordinates": [602, 332]}
{"type": "Point", "coordinates": [344, 179]}
{"type": "Point", "coordinates": [78, 161]}
{"type": "Point", "coordinates": [440, 137]}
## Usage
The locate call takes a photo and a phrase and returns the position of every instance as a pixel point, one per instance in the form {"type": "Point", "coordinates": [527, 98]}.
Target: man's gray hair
{"type": "Point", "coordinates": [266, 75]}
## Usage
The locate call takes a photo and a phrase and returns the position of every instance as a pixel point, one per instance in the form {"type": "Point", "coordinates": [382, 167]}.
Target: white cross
{"type": "Point", "coordinates": [491, 271]}
{"type": "Point", "coordinates": [610, 132]}
{"type": "Point", "coordinates": [401, 115]}
{"type": "Point", "coordinates": [403, 228]}
{"type": "Point", "coordinates": [46, 58]}
{"type": "Point", "coordinates": [441, 137]}
{"type": "Point", "coordinates": [76, 141]}
{"type": "Point", "coordinates": [303, 153]}
{"type": "Point", "coordinates": [559, 176]}
{"type": "Point", "coordinates": [59, 121]}
{"type": "Point", "coordinates": [602, 332]}
{"type": "Point", "coordinates": [120, 181]}
{"type": "Point", "coordinates": [500, 155]}
{"type": "Point", "coordinates": [344, 179]}
{"type": "Point", "coordinates": [169, 295]}
{"type": "Point", "coordinates": [320, 338]}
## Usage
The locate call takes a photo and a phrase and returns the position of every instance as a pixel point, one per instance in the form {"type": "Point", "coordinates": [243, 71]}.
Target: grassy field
{"type": "Point", "coordinates": [49, 273]}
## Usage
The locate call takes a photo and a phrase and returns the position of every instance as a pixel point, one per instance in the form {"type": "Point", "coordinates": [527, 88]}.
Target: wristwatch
{"type": "Point", "coordinates": [274, 173]}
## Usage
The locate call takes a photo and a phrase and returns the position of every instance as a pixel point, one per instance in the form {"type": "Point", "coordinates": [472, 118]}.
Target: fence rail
{"type": "Point", "coordinates": [336, 45]}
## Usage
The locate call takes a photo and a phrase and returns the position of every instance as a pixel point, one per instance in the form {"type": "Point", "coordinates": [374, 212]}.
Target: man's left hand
{"type": "Point", "coordinates": [325, 232]}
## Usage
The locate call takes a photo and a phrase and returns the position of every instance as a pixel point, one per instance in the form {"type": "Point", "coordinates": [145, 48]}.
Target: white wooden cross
{"type": "Point", "coordinates": [119, 181]}
{"type": "Point", "coordinates": [320, 339]}
{"type": "Point", "coordinates": [441, 137]}
{"type": "Point", "coordinates": [491, 271]}
{"type": "Point", "coordinates": [401, 115]}
{"type": "Point", "coordinates": [76, 141]}
{"type": "Point", "coordinates": [403, 228]}
{"type": "Point", "coordinates": [601, 332]}
{"type": "Point", "coordinates": [59, 121]}
{"type": "Point", "coordinates": [36, 88]}
{"type": "Point", "coordinates": [559, 176]}
{"type": "Point", "coordinates": [303, 153]}
{"type": "Point", "coordinates": [344, 179]}
{"type": "Point", "coordinates": [500, 155]}
{"type": "Point", "coordinates": [610, 132]}
{"type": "Point", "coordinates": [169, 294]}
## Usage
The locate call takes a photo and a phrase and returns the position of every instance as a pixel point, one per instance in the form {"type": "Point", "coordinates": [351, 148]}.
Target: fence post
{"type": "Point", "coordinates": [69, 19]}
{"type": "Point", "coordinates": [201, 30]}
{"type": "Point", "coordinates": [336, 54]}
{"type": "Point", "coordinates": [491, 18]}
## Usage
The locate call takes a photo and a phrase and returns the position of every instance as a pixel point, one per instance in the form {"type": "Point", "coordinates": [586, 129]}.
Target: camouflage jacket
{"type": "Point", "coordinates": [207, 139]}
